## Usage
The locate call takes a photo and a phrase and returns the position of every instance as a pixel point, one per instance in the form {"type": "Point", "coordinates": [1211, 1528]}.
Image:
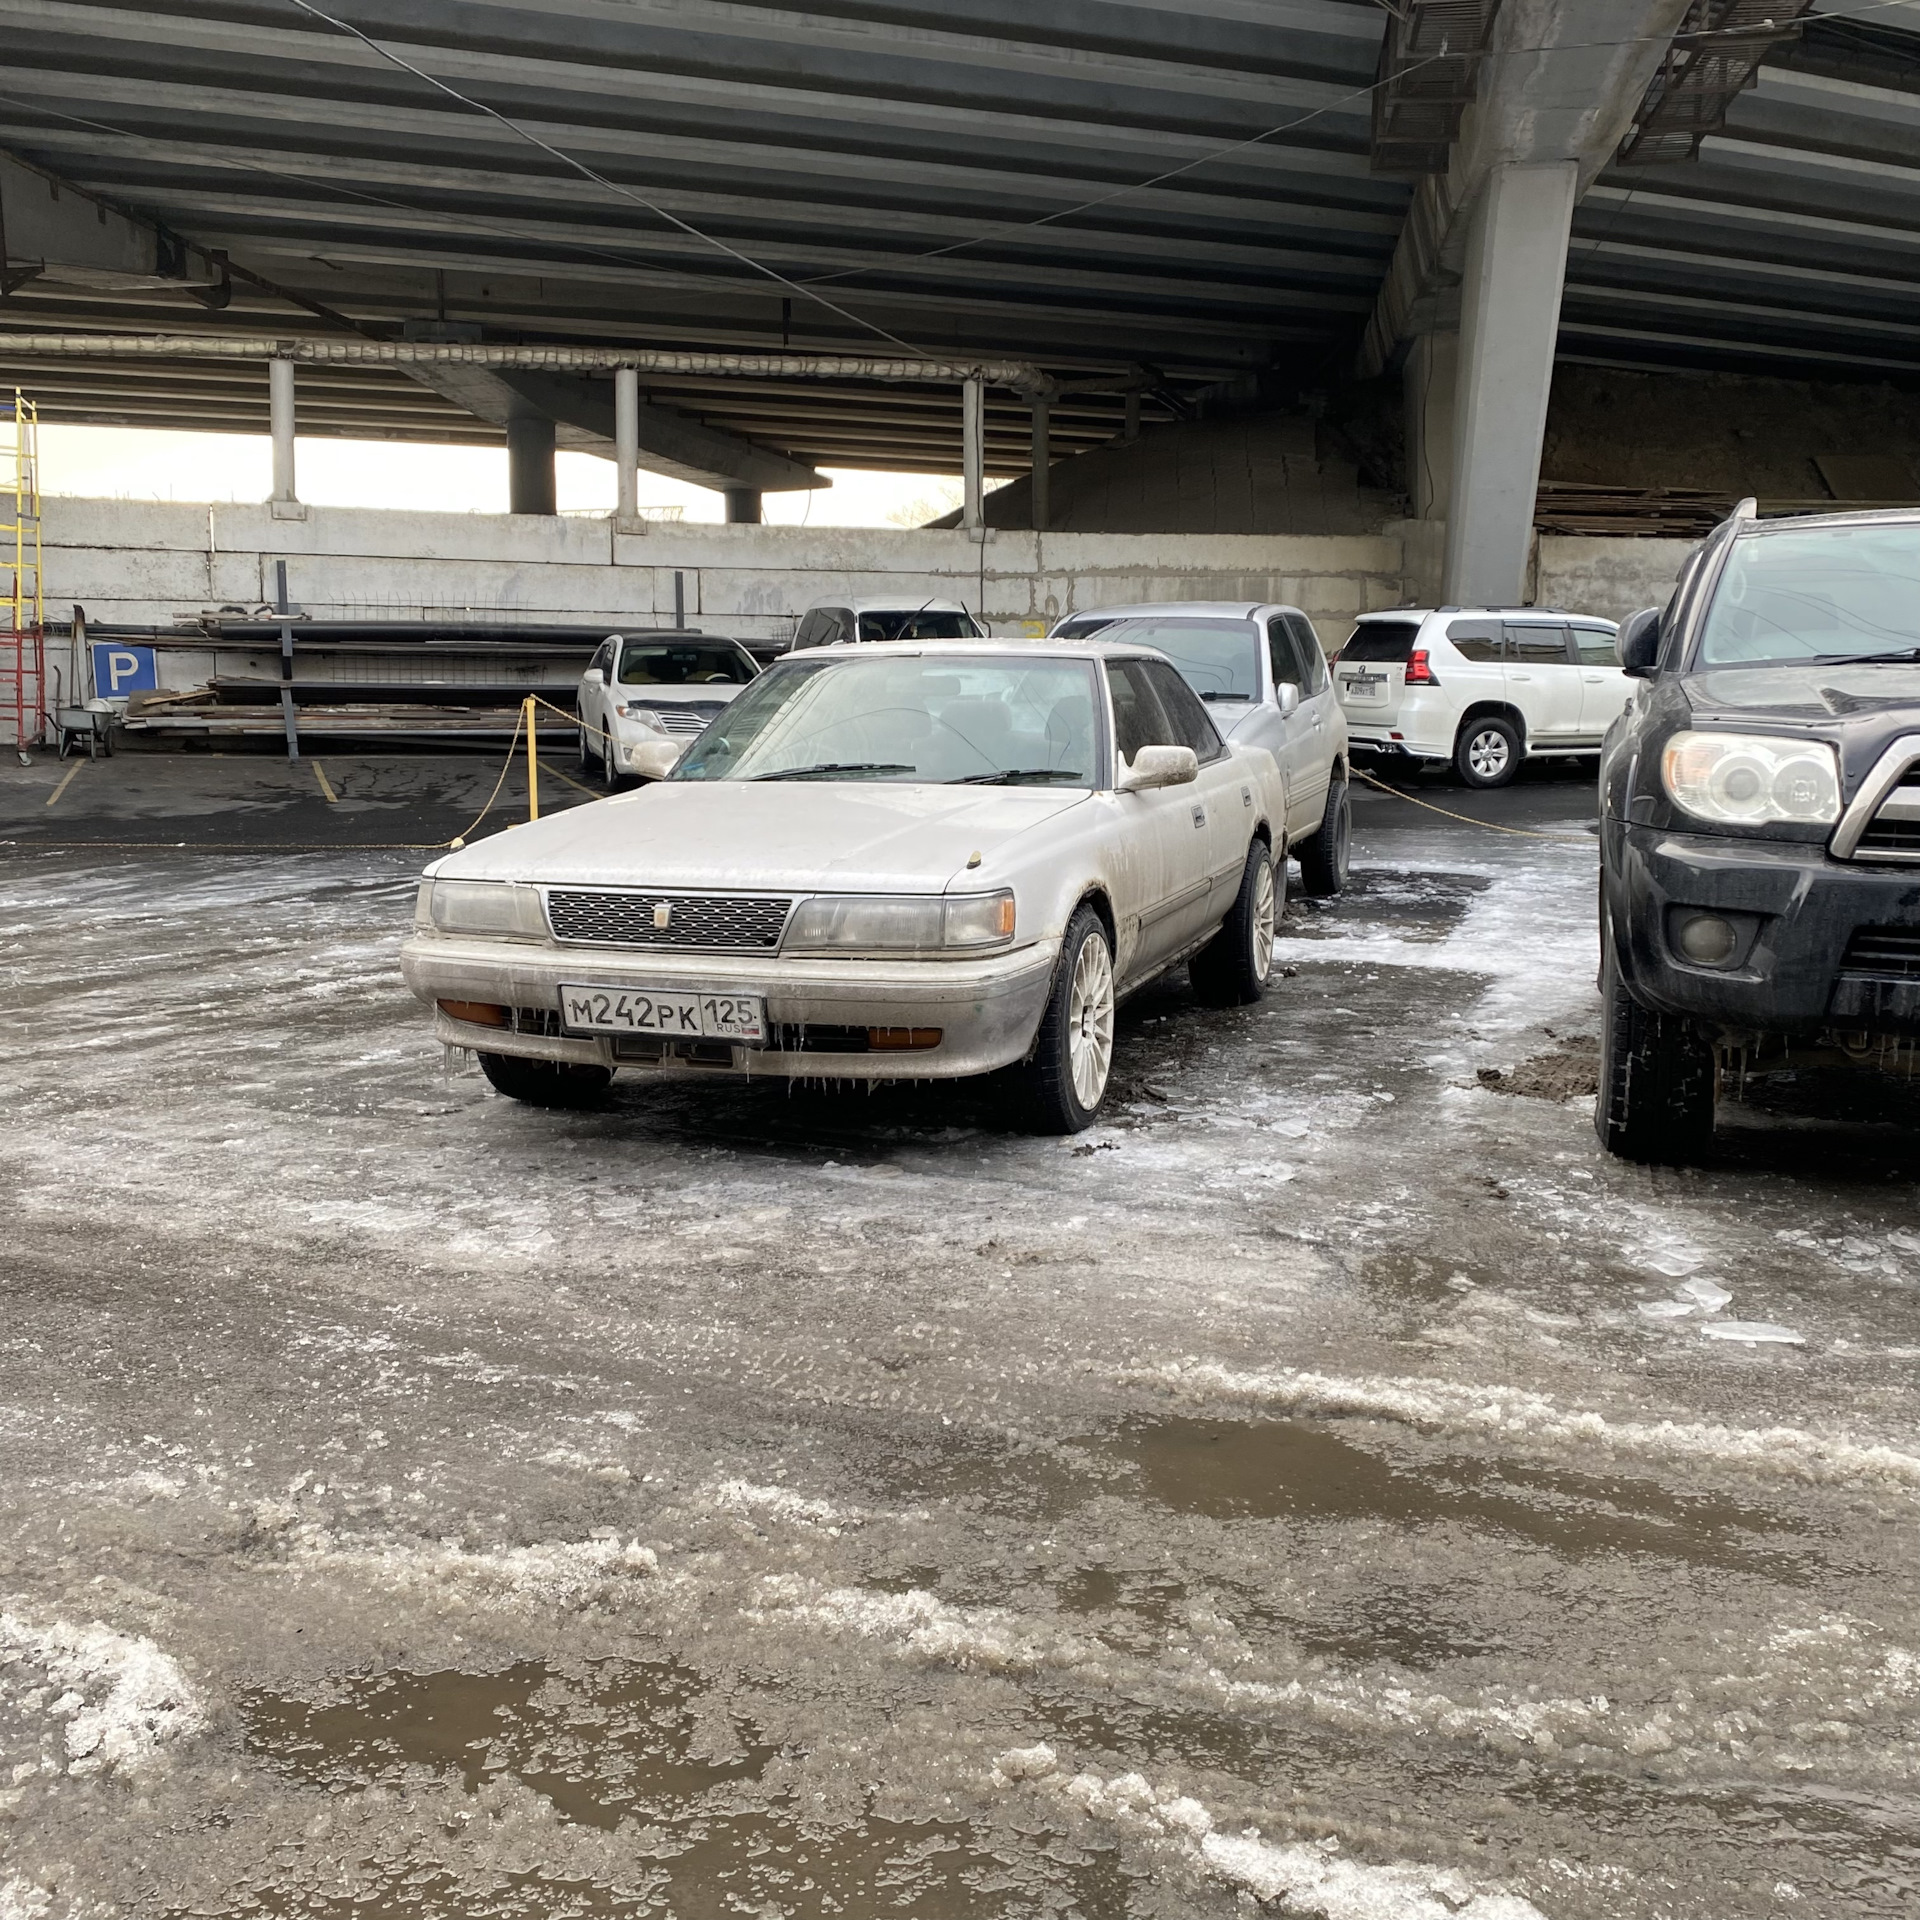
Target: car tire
{"type": "Point", "coordinates": [589, 760]}
{"type": "Point", "coordinates": [1488, 752]}
{"type": "Point", "coordinates": [1065, 1078]}
{"type": "Point", "coordinates": [1657, 1078]}
{"type": "Point", "coordinates": [1233, 968]}
{"type": "Point", "coordinates": [545, 1083]}
{"type": "Point", "coordinates": [1324, 857]}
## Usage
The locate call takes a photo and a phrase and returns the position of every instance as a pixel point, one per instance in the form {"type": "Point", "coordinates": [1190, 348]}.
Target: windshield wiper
{"type": "Point", "coordinates": [1245, 699]}
{"type": "Point", "coordinates": [1015, 776]}
{"type": "Point", "coordinates": [1908, 655]}
{"type": "Point", "coordinates": [826, 767]}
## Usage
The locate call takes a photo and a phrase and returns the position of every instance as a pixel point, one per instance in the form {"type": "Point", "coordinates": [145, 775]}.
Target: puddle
{"type": "Point", "coordinates": [645, 1754]}
{"type": "Point", "coordinates": [1423, 909]}
{"type": "Point", "coordinates": [1297, 1469]}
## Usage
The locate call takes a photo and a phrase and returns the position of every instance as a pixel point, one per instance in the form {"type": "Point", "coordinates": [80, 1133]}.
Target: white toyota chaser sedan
{"type": "Point", "coordinates": [879, 862]}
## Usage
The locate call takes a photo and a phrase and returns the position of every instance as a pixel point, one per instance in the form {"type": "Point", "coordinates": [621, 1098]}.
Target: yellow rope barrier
{"type": "Point", "coordinates": [1527, 833]}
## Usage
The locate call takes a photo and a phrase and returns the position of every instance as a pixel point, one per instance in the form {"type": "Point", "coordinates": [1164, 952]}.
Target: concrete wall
{"type": "Point", "coordinates": [146, 563]}
{"type": "Point", "coordinates": [1609, 577]}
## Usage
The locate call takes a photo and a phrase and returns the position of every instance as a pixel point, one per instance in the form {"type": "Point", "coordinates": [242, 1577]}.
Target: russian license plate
{"type": "Point", "coordinates": [739, 1017]}
{"type": "Point", "coordinates": [1366, 688]}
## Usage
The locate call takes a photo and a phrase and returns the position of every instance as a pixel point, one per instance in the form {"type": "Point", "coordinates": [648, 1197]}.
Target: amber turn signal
{"type": "Point", "coordinates": [903, 1039]}
{"type": "Point", "coordinates": [476, 1013]}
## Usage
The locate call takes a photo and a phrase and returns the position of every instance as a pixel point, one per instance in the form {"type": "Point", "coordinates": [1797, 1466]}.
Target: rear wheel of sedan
{"type": "Point", "coordinates": [1064, 1081]}
{"type": "Point", "coordinates": [1233, 968]}
{"type": "Point", "coordinates": [545, 1083]}
{"type": "Point", "coordinates": [1487, 753]}
{"type": "Point", "coordinates": [1657, 1079]}
{"type": "Point", "coordinates": [1323, 859]}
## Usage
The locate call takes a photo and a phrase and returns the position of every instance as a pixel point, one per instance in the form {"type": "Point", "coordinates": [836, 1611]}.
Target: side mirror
{"type": "Point", "coordinates": [654, 759]}
{"type": "Point", "coordinates": [1289, 696]}
{"type": "Point", "coordinates": [1160, 767]}
{"type": "Point", "coordinates": [594, 677]}
{"type": "Point", "coordinates": [1637, 645]}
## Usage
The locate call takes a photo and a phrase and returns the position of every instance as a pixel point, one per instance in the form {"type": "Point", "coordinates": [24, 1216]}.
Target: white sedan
{"type": "Point", "coordinates": [880, 863]}
{"type": "Point", "coordinates": [651, 687]}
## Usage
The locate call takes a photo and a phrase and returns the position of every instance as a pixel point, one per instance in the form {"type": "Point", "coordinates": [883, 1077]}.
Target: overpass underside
{"type": "Point", "coordinates": [1171, 210]}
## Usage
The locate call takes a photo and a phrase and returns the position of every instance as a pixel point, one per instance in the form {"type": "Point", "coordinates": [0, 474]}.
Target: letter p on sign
{"type": "Point", "coordinates": [118, 671]}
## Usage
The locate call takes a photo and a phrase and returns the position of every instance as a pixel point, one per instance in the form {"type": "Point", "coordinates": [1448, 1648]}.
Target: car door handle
{"type": "Point", "coordinates": [1596, 679]}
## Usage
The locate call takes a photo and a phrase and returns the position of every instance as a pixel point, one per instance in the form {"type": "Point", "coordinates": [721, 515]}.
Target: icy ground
{"type": "Point", "coordinates": [1327, 1488]}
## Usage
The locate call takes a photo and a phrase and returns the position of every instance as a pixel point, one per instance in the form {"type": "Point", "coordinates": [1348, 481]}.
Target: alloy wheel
{"type": "Point", "coordinates": [1090, 1022]}
{"type": "Point", "coordinates": [1263, 919]}
{"type": "Point", "coordinates": [1487, 754]}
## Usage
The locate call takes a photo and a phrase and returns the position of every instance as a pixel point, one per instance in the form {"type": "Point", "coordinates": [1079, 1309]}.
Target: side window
{"type": "Point", "coordinates": [603, 658]}
{"type": "Point", "coordinates": [1475, 639]}
{"type": "Point", "coordinates": [1532, 646]}
{"type": "Point", "coordinates": [1283, 649]}
{"type": "Point", "coordinates": [1595, 647]}
{"type": "Point", "coordinates": [1313, 655]}
{"type": "Point", "coordinates": [807, 633]}
{"type": "Point", "coordinates": [1137, 719]}
{"type": "Point", "coordinates": [841, 625]}
{"type": "Point", "coordinates": [1186, 712]}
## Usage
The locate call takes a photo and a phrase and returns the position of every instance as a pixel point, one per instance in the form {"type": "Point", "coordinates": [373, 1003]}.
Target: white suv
{"type": "Point", "coordinates": [835, 623]}
{"type": "Point", "coordinates": [1483, 687]}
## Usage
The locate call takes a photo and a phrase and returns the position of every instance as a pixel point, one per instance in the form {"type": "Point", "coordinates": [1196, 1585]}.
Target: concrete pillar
{"type": "Point", "coordinates": [1429, 383]}
{"type": "Point", "coordinates": [626, 443]}
{"type": "Point", "coordinates": [743, 506]}
{"type": "Point", "coordinates": [1042, 463]}
{"type": "Point", "coordinates": [280, 424]}
{"type": "Point", "coordinates": [973, 452]}
{"type": "Point", "coordinates": [1509, 322]}
{"type": "Point", "coordinates": [530, 484]}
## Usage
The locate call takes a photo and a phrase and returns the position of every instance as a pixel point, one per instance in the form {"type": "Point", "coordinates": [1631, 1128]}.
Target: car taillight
{"type": "Point", "coordinates": [1419, 672]}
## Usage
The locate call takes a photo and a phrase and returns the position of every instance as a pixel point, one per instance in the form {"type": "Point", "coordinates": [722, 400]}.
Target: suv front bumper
{"type": "Point", "coordinates": [1799, 911]}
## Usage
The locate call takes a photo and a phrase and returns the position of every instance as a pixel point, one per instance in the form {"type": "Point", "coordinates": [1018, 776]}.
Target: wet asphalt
{"type": "Point", "coordinates": [1329, 1486]}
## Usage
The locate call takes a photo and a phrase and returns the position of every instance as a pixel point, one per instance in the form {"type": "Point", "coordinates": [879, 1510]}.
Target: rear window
{"type": "Point", "coordinates": [1381, 640]}
{"type": "Point", "coordinates": [1079, 629]}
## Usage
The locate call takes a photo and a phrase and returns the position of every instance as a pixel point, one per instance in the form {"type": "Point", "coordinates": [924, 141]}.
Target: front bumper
{"type": "Point", "coordinates": [1800, 974]}
{"type": "Point", "coordinates": [988, 1010]}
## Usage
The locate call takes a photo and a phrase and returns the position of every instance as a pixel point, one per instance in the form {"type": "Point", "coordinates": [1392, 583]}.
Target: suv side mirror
{"type": "Point", "coordinates": [1289, 697]}
{"type": "Point", "coordinates": [1160, 767]}
{"type": "Point", "coordinates": [1637, 645]}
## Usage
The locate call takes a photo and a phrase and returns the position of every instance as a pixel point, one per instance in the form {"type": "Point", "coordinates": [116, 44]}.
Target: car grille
{"type": "Point", "coordinates": [1895, 828]}
{"type": "Point", "coordinates": [751, 923]}
{"type": "Point", "coordinates": [1892, 953]}
{"type": "Point", "coordinates": [686, 716]}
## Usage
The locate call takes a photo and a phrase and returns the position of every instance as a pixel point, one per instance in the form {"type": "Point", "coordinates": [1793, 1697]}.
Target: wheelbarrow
{"type": "Point", "coordinates": [85, 729]}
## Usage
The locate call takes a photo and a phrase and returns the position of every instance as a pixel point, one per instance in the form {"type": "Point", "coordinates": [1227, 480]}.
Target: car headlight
{"type": "Point", "coordinates": [492, 907]}
{"type": "Point", "coordinates": [901, 923]}
{"type": "Point", "coordinates": [1752, 779]}
{"type": "Point", "coordinates": [643, 717]}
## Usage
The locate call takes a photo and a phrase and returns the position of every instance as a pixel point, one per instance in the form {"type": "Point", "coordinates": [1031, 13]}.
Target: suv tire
{"type": "Point", "coordinates": [1233, 968]}
{"type": "Point", "coordinates": [1488, 752]}
{"type": "Point", "coordinates": [1064, 1080]}
{"type": "Point", "coordinates": [589, 760]}
{"type": "Point", "coordinates": [545, 1083]}
{"type": "Point", "coordinates": [1323, 858]}
{"type": "Point", "coordinates": [1657, 1078]}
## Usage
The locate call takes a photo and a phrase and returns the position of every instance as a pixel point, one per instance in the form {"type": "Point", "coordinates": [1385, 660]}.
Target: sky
{"type": "Point", "coordinates": [137, 463]}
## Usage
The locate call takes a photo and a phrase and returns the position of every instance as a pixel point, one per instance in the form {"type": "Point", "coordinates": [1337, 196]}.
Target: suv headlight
{"type": "Point", "coordinates": [901, 923]}
{"type": "Point", "coordinates": [642, 717]}
{"type": "Point", "coordinates": [1752, 779]}
{"type": "Point", "coordinates": [492, 907]}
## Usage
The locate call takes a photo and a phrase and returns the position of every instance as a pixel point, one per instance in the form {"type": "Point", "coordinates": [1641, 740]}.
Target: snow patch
{"type": "Point", "coordinates": [569, 1575]}
{"type": "Point", "coordinates": [1756, 1333]}
{"type": "Point", "coordinates": [123, 1700]}
{"type": "Point", "coordinates": [1509, 1413]}
{"type": "Point", "coordinates": [781, 1503]}
{"type": "Point", "coordinates": [921, 1626]}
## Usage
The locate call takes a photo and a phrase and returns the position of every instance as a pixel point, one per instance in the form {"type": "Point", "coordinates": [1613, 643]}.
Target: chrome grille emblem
{"type": "Point", "coordinates": [662, 915]}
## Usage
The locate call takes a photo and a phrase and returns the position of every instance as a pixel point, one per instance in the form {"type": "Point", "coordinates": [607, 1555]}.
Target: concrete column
{"type": "Point", "coordinates": [973, 452]}
{"type": "Point", "coordinates": [1429, 383]}
{"type": "Point", "coordinates": [280, 424]}
{"type": "Point", "coordinates": [1042, 463]}
{"type": "Point", "coordinates": [530, 484]}
{"type": "Point", "coordinates": [743, 506]}
{"type": "Point", "coordinates": [1509, 322]}
{"type": "Point", "coordinates": [626, 443]}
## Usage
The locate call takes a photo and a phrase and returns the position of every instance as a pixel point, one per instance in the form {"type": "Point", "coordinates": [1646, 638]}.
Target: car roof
{"type": "Point", "coordinates": [1191, 609]}
{"type": "Point", "coordinates": [889, 603]}
{"type": "Point", "coordinates": [1519, 615]}
{"type": "Point", "coordinates": [1093, 647]}
{"type": "Point", "coordinates": [1803, 522]}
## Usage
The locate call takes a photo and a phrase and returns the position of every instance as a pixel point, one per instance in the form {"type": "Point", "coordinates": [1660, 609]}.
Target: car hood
{"type": "Point", "coordinates": [1861, 710]}
{"type": "Point", "coordinates": [787, 835]}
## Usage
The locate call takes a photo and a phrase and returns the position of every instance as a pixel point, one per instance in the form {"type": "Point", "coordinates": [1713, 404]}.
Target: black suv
{"type": "Point", "coordinates": [1760, 823]}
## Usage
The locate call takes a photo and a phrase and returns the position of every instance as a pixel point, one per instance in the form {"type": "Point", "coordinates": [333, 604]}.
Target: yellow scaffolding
{"type": "Point", "coordinates": [22, 647]}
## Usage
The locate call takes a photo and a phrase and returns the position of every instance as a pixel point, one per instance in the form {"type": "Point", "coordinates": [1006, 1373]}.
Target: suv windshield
{"type": "Point", "coordinates": [657, 663]}
{"type": "Point", "coordinates": [1218, 659]}
{"type": "Point", "coordinates": [1826, 593]}
{"type": "Point", "coordinates": [943, 717]}
{"type": "Point", "coordinates": [907, 624]}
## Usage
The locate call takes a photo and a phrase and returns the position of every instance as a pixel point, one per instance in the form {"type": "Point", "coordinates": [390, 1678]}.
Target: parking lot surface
{"type": "Point", "coordinates": [1329, 1485]}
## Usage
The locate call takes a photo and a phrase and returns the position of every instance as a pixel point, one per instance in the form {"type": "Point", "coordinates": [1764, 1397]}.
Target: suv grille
{"type": "Point", "coordinates": [1893, 953]}
{"type": "Point", "coordinates": [742, 922]}
{"type": "Point", "coordinates": [686, 716]}
{"type": "Point", "coordinates": [1895, 828]}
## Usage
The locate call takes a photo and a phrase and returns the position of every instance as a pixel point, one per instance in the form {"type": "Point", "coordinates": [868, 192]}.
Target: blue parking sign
{"type": "Point", "coordinates": [119, 670]}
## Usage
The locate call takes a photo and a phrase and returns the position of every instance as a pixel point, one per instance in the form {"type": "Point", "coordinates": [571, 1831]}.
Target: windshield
{"type": "Point", "coordinates": [1218, 659]}
{"type": "Point", "coordinates": [909, 624]}
{"type": "Point", "coordinates": [1830, 593]}
{"type": "Point", "coordinates": [662, 663]}
{"type": "Point", "coordinates": [944, 718]}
